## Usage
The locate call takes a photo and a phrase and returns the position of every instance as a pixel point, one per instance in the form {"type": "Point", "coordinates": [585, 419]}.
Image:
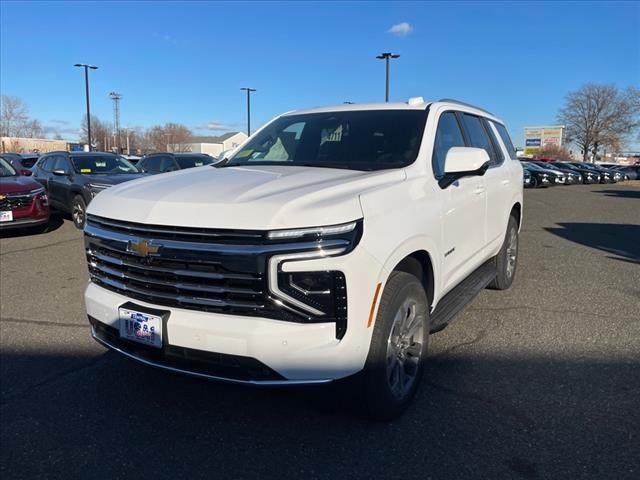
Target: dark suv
{"type": "Point", "coordinates": [73, 179]}
{"type": "Point", "coordinates": [169, 162]}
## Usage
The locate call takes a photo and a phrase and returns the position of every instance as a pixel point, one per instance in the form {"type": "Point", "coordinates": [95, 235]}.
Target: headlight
{"type": "Point", "coordinates": [314, 295]}
{"type": "Point", "coordinates": [96, 188]}
{"type": "Point", "coordinates": [312, 232]}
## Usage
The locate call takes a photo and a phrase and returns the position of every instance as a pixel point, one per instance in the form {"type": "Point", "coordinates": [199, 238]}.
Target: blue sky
{"type": "Point", "coordinates": [185, 62]}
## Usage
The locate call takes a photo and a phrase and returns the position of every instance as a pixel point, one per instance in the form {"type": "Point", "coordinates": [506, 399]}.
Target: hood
{"type": "Point", "coordinates": [106, 179]}
{"type": "Point", "coordinates": [17, 184]}
{"type": "Point", "coordinates": [260, 197]}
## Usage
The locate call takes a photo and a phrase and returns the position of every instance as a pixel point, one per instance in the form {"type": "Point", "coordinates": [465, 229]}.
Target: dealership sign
{"type": "Point", "coordinates": [536, 138]}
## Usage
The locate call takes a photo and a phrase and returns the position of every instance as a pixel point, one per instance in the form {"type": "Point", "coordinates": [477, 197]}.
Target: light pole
{"type": "Point", "coordinates": [248, 90]}
{"type": "Point", "coordinates": [86, 89]}
{"type": "Point", "coordinates": [386, 56]}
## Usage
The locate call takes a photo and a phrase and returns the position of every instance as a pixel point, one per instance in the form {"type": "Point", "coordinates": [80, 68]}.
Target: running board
{"type": "Point", "coordinates": [462, 294]}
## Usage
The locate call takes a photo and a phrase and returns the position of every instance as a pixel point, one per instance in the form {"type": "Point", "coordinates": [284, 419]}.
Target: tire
{"type": "Point", "coordinates": [534, 182]}
{"type": "Point", "coordinates": [507, 258]}
{"type": "Point", "coordinates": [394, 366]}
{"type": "Point", "coordinates": [78, 211]}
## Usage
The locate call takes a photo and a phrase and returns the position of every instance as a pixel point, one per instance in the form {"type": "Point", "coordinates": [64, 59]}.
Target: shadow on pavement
{"type": "Point", "coordinates": [633, 193]}
{"type": "Point", "coordinates": [474, 417]}
{"type": "Point", "coordinates": [622, 240]}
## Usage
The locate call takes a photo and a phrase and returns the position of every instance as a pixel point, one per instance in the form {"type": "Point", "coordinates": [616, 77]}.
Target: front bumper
{"type": "Point", "coordinates": [291, 353]}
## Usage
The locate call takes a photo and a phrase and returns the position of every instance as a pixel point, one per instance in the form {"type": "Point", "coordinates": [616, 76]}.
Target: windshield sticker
{"type": "Point", "coordinates": [101, 164]}
{"type": "Point", "coordinates": [199, 164]}
{"type": "Point", "coordinates": [85, 170]}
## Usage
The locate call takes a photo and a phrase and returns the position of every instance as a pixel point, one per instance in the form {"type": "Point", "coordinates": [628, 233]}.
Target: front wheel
{"type": "Point", "coordinates": [507, 258]}
{"type": "Point", "coordinates": [398, 348]}
{"type": "Point", "coordinates": [78, 211]}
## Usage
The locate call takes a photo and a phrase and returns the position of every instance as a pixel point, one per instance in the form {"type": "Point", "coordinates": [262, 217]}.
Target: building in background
{"type": "Point", "coordinates": [536, 138]}
{"type": "Point", "coordinates": [213, 146]}
{"type": "Point", "coordinates": [36, 145]}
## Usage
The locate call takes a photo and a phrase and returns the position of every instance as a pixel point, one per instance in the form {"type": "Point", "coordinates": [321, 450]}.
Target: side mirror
{"type": "Point", "coordinates": [463, 162]}
{"type": "Point", "coordinates": [60, 172]}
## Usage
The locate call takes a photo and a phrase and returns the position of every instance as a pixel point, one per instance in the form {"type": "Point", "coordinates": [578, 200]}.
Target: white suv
{"type": "Point", "coordinates": [328, 246]}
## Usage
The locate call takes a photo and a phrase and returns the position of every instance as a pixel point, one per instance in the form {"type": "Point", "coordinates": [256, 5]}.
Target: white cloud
{"type": "Point", "coordinates": [216, 126]}
{"type": "Point", "coordinates": [401, 29]}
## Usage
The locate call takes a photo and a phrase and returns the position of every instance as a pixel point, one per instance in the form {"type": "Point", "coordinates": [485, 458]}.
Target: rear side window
{"type": "Point", "coordinates": [478, 136]}
{"type": "Point", "coordinates": [448, 135]}
{"type": "Point", "coordinates": [506, 139]}
{"type": "Point", "coordinates": [152, 164]}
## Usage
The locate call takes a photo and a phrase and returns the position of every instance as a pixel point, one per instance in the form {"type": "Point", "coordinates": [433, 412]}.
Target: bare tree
{"type": "Point", "coordinates": [100, 132]}
{"type": "Point", "coordinates": [13, 116]}
{"type": "Point", "coordinates": [554, 151]}
{"type": "Point", "coordinates": [600, 115]}
{"type": "Point", "coordinates": [177, 135]}
{"type": "Point", "coordinates": [169, 137]}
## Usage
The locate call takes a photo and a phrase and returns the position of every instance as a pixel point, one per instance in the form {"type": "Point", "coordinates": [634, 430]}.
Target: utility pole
{"type": "Point", "coordinates": [86, 90]}
{"type": "Point", "coordinates": [115, 96]}
{"type": "Point", "coordinates": [386, 56]}
{"type": "Point", "coordinates": [248, 90]}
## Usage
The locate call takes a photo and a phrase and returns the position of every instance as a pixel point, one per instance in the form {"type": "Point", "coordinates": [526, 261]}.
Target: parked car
{"type": "Point", "coordinates": [632, 172]}
{"type": "Point", "coordinates": [169, 162]}
{"type": "Point", "coordinates": [588, 176]}
{"type": "Point", "coordinates": [554, 177]}
{"type": "Point", "coordinates": [606, 176]}
{"type": "Point", "coordinates": [329, 245]}
{"type": "Point", "coordinates": [539, 178]}
{"type": "Point", "coordinates": [570, 177]}
{"type": "Point", "coordinates": [73, 179]}
{"type": "Point", "coordinates": [23, 201]}
{"type": "Point", "coordinates": [21, 162]}
{"type": "Point", "coordinates": [526, 178]}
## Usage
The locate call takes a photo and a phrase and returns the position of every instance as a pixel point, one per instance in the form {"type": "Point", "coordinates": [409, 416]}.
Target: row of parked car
{"type": "Point", "coordinates": [539, 173]}
{"type": "Point", "coordinates": [68, 181]}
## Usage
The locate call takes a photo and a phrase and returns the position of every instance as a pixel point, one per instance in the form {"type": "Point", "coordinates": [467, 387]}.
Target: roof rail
{"type": "Point", "coordinates": [453, 100]}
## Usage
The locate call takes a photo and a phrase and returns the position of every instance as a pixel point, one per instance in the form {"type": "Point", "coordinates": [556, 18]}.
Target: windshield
{"type": "Point", "coordinates": [6, 170]}
{"type": "Point", "coordinates": [533, 166]}
{"type": "Point", "coordinates": [356, 140]}
{"type": "Point", "coordinates": [190, 161]}
{"type": "Point", "coordinates": [102, 164]}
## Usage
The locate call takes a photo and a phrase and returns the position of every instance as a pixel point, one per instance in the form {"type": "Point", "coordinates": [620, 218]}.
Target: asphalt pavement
{"type": "Point", "coordinates": [540, 381]}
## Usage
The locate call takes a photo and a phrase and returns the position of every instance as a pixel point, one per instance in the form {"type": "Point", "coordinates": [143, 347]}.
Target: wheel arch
{"type": "Point", "coordinates": [516, 212]}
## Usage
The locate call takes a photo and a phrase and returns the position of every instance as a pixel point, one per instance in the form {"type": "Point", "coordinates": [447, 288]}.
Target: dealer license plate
{"type": "Point", "coordinates": [141, 327]}
{"type": "Point", "coordinates": [6, 216]}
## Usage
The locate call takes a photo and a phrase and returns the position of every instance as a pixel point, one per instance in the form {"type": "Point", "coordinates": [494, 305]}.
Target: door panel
{"type": "Point", "coordinates": [59, 185]}
{"type": "Point", "coordinates": [464, 228]}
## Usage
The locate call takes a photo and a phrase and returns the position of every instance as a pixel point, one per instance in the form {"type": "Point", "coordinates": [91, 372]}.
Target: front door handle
{"type": "Point", "coordinates": [506, 183]}
{"type": "Point", "coordinates": [479, 190]}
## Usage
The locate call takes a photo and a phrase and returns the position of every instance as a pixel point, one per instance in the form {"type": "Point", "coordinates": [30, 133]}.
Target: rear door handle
{"type": "Point", "coordinates": [506, 183]}
{"type": "Point", "coordinates": [479, 190]}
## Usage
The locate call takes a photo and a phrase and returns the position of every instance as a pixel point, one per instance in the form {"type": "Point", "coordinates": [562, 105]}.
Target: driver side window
{"type": "Point", "coordinates": [448, 135]}
{"type": "Point", "coordinates": [59, 162]}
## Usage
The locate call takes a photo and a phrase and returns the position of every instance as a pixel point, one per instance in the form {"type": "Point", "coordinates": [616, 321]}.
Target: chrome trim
{"type": "Point", "coordinates": [204, 375]}
{"type": "Point", "coordinates": [275, 262]}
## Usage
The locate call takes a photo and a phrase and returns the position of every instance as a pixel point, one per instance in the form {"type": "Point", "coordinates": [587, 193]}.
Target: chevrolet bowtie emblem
{"type": "Point", "coordinates": [143, 248]}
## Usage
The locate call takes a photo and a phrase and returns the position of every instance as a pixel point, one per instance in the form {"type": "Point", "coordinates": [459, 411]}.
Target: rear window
{"type": "Point", "coordinates": [190, 161]}
{"type": "Point", "coordinates": [29, 162]}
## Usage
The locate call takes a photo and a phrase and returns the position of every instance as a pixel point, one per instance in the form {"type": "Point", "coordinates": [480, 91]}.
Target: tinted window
{"type": "Point", "coordinates": [6, 169]}
{"type": "Point", "coordinates": [59, 162]}
{"type": "Point", "coordinates": [506, 139]}
{"type": "Point", "coordinates": [497, 149]}
{"type": "Point", "coordinates": [190, 161]}
{"type": "Point", "coordinates": [157, 163]}
{"type": "Point", "coordinates": [358, 140]}
{"type": "Point", "coordinates": [45, 163]}
{"type": "Point", "coordinates": [448, 135]}
{"type": "Point", "coordinates": [477, 135]}
{"type": "Point", "coordinates": [28, 162]}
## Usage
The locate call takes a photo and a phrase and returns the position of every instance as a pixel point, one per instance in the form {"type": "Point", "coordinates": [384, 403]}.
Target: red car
{"type": "Point", "coordinates": [23, 201]}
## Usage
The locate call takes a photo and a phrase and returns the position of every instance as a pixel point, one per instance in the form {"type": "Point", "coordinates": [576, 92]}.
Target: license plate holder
{"type": "Point", "coordinates": [142, 325]}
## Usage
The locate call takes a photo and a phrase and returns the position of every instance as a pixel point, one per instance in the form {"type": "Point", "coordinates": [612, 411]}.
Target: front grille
{"type": "Point", "coordinates": [16, 201]}
{"type": "Point", "coordinates": [196, 269]}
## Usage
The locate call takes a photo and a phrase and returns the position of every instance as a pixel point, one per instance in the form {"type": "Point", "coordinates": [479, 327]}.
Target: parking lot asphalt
{"type": "Point", "coordinates": [541, 381]}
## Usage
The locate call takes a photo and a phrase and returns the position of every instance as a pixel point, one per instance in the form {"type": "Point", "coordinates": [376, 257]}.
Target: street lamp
{"type": "Point", "coordinates": [86, 89]}
{"type": "Point", "coordinates": [248, 90]}
{"type": "Point", "coordinates": [386, 56]}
